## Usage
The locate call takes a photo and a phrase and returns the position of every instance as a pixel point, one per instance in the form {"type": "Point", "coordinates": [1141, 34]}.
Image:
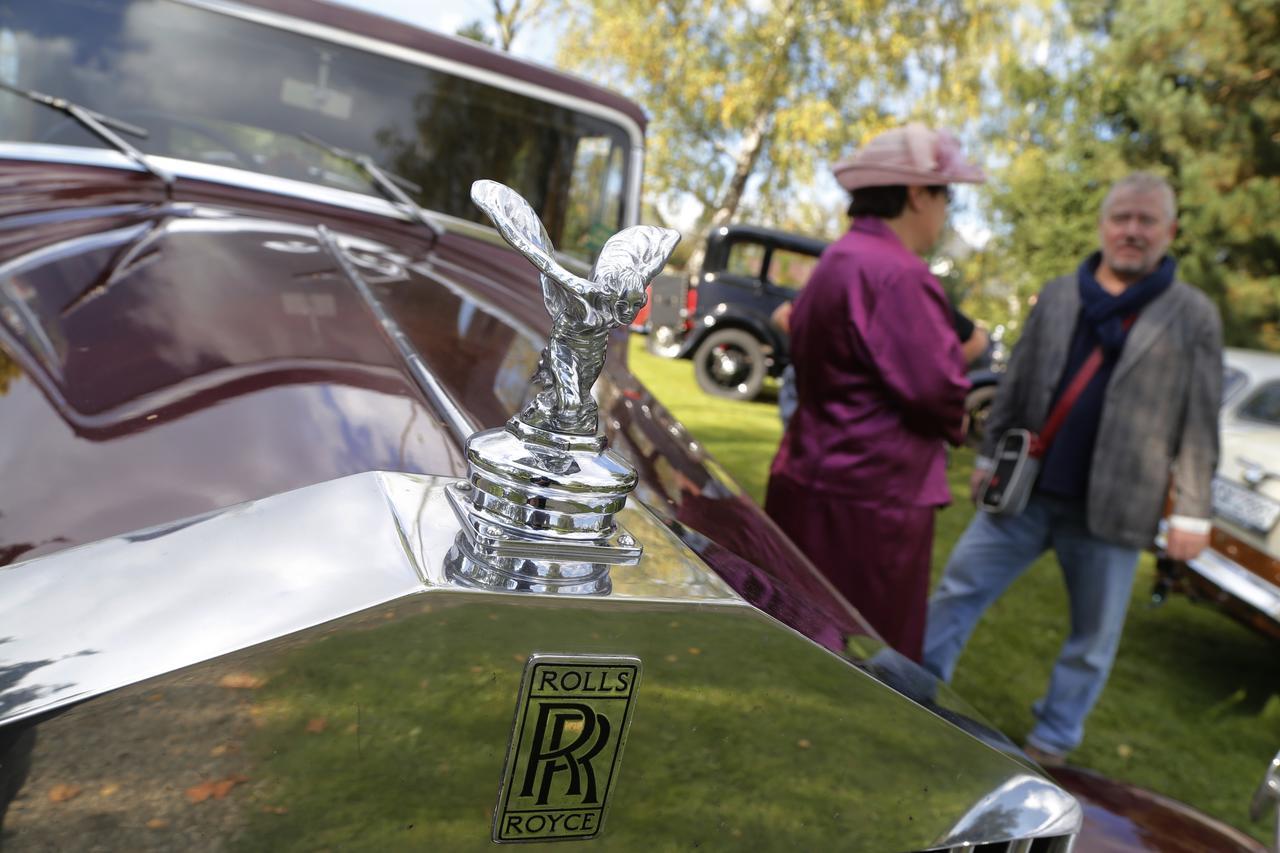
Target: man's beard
{"type": "Point", "coordinates": [1140, 266]}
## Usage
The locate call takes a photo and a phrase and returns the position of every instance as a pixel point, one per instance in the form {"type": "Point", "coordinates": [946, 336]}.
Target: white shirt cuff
{"type": "Point", "coordinates": [1189, 524]}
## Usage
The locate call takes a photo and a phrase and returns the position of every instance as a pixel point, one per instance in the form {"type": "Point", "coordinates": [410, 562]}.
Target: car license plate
{"type": "Point", "coordinates": [1244, 507]}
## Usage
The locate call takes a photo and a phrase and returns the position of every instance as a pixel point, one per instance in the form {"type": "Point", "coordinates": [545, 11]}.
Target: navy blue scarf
{"type": "Point", "coordinates": [1105, 313]}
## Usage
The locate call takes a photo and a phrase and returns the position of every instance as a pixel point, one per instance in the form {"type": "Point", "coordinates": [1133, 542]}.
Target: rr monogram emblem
{"type": "Point", "coordinates": [570, 727]}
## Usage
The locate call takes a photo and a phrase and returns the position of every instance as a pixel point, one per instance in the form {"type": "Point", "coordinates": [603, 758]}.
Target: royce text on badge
{"type": "Point", "coordinates": [570, 727]}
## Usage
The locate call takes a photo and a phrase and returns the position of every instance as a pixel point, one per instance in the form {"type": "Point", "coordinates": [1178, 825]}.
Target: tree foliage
{"type": "Point", "coordinates": [1185, 88]}
{"type": "Point", "coordinates": [753, 100]}
{"type": "Point", "coordinates": [511, 16]}
{"type": "Point", "coordinates": [9, 372]}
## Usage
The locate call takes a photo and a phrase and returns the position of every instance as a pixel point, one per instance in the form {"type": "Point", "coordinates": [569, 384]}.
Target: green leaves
{"type": "Point", "coordinates": [751, 102]}
{"type": "Point", "coordinates": [1186, 89]}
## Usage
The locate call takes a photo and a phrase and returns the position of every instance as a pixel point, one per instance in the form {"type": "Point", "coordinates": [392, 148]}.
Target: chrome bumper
{"type": "Point", "coordinates": [1235, 580]}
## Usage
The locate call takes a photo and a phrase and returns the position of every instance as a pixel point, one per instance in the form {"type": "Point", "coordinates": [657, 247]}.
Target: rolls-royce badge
{"type": "Point", "coordinates": [566, 744]}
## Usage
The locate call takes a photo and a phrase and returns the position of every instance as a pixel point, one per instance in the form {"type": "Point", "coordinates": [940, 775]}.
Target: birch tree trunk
{"type": "Point", "coordinates": [745, 163]}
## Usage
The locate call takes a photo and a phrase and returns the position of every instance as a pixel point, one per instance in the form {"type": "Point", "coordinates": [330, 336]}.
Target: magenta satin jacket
{"type": "Point", "coordinates": [879, 373]}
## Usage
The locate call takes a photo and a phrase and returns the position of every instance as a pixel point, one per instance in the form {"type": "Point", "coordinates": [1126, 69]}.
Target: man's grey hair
{"type": "Point", "coordinates": [1144, 182]}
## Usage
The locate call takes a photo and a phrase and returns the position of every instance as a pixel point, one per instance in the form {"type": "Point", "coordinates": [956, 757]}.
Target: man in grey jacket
{"type": "Point", "coordinates": [1144, 427]}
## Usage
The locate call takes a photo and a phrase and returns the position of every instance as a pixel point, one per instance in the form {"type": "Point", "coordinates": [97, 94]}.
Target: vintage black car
{"type": "Point", "coordinates": [747, 273]}
{"type": "Point", "coordinates": [286, 562]}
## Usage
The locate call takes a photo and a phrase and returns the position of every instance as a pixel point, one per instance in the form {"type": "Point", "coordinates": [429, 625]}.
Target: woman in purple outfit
{"type": "Point", "coordinates": [881, 384]}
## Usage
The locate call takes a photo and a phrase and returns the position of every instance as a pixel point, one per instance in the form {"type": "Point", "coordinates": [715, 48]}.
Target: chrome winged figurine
{"type": "Point", "coordinates": [583, 311]}
{"type": "Point", "coordinates": [537, 507]}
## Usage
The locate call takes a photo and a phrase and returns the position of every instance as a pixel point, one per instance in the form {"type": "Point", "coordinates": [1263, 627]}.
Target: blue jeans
{"type": "Point", "coordinates": [990, 555]}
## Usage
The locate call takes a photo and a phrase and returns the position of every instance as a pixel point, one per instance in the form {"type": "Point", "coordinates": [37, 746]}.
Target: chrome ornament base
{"type": "Point", "coordinates": [491, 537]}
{"type": "Point", "coordinates": [465, 568]}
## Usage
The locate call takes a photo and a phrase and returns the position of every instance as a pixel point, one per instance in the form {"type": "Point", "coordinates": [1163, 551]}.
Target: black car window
{"type": "Point", "coordinates": [1264, 405]}
{"type": "Point", "coordinates": [746, 259]}
{"type": "Point", "coordinates": [790, 269]}
{"type": "Point", "coordinates": [218, 89]}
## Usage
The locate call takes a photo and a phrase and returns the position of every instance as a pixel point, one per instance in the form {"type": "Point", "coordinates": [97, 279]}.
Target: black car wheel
{"type": "Point", "coordinates": [730, 363]}
{"type": "Point", "coordinates": [978, 406]}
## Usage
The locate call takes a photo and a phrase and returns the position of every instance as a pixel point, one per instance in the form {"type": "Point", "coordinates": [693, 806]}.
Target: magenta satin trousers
{"type": "Point", "coordinates": [877, 555]}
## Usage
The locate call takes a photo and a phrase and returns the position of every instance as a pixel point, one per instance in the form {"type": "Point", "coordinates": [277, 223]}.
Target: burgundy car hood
{"type": "Point", "coordinates": [166, 357]}
{"type": "Point", "coordinates": [182, 354]}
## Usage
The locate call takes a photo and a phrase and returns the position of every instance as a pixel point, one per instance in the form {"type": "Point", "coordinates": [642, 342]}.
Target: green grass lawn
{"type": "Point", "coordinates": [1192, 709]}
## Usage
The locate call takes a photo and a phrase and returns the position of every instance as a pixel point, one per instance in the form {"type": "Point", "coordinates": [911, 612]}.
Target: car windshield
{"type": "Point", "coordinates": [218, 89]}
{"type": "Point", "coordinates": [1264, 405]}
{"type": "Point", "coordinates": [1233, 379]}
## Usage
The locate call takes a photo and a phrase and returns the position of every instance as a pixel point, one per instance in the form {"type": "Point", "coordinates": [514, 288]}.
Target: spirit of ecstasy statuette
{"type": "Point", "coordinates": [537, 508]}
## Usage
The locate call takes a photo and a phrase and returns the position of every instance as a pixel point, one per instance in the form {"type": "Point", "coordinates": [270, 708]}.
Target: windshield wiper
{"type": "Point", "coordinates": [388, 182]}
{"type": "Point", "coordinates": [100, 125]}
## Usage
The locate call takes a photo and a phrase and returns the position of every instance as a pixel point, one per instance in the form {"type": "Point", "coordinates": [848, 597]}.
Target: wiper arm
{"type": "Point", "coordinates": [388, 182]}
{"type": "Point", "coordinates": [100, 125]}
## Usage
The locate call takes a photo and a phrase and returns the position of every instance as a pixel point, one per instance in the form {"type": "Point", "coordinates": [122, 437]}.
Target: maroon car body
{"type": "Point", "coordinates": [171, 350]}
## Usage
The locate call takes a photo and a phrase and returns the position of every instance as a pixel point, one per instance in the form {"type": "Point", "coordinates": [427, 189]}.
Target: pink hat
{"type": "Point", "coordinates": [913, 155]}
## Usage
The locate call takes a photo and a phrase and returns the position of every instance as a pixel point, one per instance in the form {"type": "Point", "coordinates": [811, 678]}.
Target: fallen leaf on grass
{"type": "Point", "coordinates": [241, 681]}
{"type": "Point", "coordinates": [213, 790]}
{"type": "Point", "coordinates": [108, 789]}
{"type": "Point", "coordinates": [62, 793]}
{"type": "Point", "coordinates": [1124, 750]}
{"type": "Point", "coordinates": [157, 823]}
{"type": "Point", "coordinates": [316, 725]}
{"type": "Point", "coordinates": [275, 810]}
{"type": "Point", "coordinates": [803, 743]}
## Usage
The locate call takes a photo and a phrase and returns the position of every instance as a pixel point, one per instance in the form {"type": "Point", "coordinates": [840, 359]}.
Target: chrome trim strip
{"type": "Point", "coordinates": [76, 155]}
{"type": "Point", "coordinates": [265, 183]}
{"type": "Point", "coordinates": [101, 616]}
{"type": "Point", "coordinates": [461, 424]}
{"type": "Point", "coordinates": [87, 620]}
{"type": "Point", "coordinates": [1238, 581]}
{"type": "Point", "coordinates": [100, 157]}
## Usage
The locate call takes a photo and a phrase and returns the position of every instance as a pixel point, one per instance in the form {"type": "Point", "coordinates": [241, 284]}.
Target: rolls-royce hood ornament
{"type": "Point", "coordinates": [537, 508]}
